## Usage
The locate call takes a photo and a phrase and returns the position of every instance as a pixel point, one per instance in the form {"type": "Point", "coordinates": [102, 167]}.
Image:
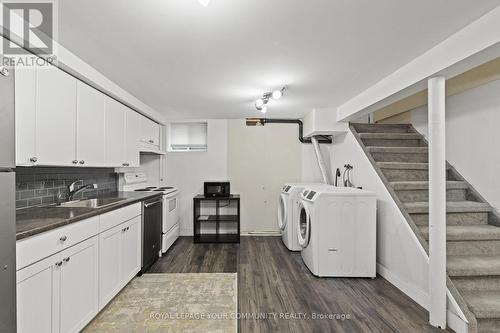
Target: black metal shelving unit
{"type": "Point", "coordinates": [214, 220]}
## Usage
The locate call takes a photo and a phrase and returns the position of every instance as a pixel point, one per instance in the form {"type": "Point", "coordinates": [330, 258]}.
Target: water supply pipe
{"type": "Point", "coordinates": [263, 121]}
{"type": "Point", "coordinates": [321, 163]}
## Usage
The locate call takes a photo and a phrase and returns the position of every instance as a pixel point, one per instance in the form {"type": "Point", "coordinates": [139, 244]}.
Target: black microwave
{"type": "Point", "coordinates": [217, 189]}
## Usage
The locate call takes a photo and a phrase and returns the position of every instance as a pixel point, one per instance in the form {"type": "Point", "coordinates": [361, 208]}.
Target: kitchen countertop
{"type": "Point", "coordinates": [35, 220]}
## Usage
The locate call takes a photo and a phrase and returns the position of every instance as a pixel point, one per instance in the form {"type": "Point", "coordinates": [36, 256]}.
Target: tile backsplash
{"type": "Point", "coordinates": [39, 186]}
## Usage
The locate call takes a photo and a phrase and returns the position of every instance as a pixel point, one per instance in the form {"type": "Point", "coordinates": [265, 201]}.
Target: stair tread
{"type": "Point", "coordinates": [451, 207]}
{"type": "Point", "coordinates": [467, 232]}
{"type": "Point", "coordinates": [405, 165]}
{"type": "Point", "coordinates": [398, 150]}
{"type": "Point", "coordinates": [391, 136]}
{"type": "Point", "coordinates": [473, 265]}
{"type": "Point", "coordinates": [424, 185]}
{"type": "Point", "coordinates": [484, 304]}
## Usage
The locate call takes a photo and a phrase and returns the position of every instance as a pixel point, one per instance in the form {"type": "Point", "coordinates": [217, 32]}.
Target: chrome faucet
{"type": "Point", "coordinates": [71, 188]}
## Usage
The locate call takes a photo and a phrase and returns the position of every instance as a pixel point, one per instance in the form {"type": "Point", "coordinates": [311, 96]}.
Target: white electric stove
{"type": "Point", "coordinates": [138, 181]}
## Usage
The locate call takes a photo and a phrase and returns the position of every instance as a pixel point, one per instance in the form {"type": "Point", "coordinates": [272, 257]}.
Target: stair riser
{"type": "Point", "coordinates": [477, 283]}
{"type": "Point", "coordinates": [473, 247]}
{"type": "Point", "coordinates": [381, 128]}
{"type": "Point", "coordinates": [393, 142]}
{"type": "Point", "coordinates": [397, 175]}
{"type": "Point", "coordinates": [401, 157]}
{"type": "Point", "coordinates": [423, 195]}
{"type": "Point", "coordinates": [488, 325]}
{"type": "Point", "coordinates": [454, 218]}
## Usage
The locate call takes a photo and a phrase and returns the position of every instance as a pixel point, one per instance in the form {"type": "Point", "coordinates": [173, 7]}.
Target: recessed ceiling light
{"type": "Point", "coordinates": [259, 103]}
{"type": "Point", "coordinates": [204, 3]}
{"type": "Point", "coordinates": [263, 109]}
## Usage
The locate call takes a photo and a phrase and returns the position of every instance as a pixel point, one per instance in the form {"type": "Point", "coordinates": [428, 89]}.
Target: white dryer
{"type": "Point", "coordinates": [337, 231]}
{"type": "Point", "coordinates": [288, 212]}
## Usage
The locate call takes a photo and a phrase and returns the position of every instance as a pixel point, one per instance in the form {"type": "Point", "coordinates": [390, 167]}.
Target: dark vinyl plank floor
{"type": "Point", "coordinates": [273, 280]}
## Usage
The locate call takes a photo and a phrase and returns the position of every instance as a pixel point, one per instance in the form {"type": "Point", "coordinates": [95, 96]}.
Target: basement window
{"type": "Point", "coordinates": [188, 136]}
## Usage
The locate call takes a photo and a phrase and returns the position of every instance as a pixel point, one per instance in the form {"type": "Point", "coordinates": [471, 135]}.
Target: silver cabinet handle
{"type": "Point", "coordinates": [75, 161]}
{"type": "Point", "coordinates": [149, 204]}
{"type": "Point", "coordinates": [151, 141]}
{"type": "Point", "coordinates": [59, 263]}
{"type": "Point", "coordinates": [82, 162]}
{"type": "Point", "coordinates": [331, 249]}
{"type": "Point", "coordinates": [66, 259]}
{"type": "Point", "coordinates": [33, 159]}
{"type": "Point", "coordinates": [125, 164]}
{"type": "Point", "coordinates": [63, 238]}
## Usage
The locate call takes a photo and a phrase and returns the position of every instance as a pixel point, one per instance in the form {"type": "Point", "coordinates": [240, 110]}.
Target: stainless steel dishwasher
{"type": "Point", "coordinates": [152, 213]}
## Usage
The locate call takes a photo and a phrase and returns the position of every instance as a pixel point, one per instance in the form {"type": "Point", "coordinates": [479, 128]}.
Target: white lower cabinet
{"type": "Point", "coordinates": [79, 293]}
{"type": "Point", "coordinates": [119, 259]}
{"type": "Point", "coordinates": [65, 290]}
{"type": "Point", "coordinates": [37, 295]}
{"type": "Point", "coordinates": [59, 293]}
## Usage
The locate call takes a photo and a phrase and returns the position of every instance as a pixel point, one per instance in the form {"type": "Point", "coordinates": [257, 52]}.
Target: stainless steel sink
{"type": "Point", "coordinates": [90, 203]}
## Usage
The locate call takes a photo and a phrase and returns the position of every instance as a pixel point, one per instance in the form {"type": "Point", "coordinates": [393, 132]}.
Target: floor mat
{"type": "Point", "coordinates": [195, 302]}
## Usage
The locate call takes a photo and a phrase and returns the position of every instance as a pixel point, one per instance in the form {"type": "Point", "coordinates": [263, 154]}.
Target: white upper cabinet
{"type": "Point", "coordinates": [90, 126]}
{"type": "Point", "coordinates": [55, 117]}
{"type": "Point", "coordinates": [25, 100]}
{"type": "Point", "coordinates": [61, 121]}
{"type": "Point", "coordinates": [132, 137]}
{"type": "Point", "coordinates": [150, 132]}
{"type": "Point", "coordinates": [114, 133]}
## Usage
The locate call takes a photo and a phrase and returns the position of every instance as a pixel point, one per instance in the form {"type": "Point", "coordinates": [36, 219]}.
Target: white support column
{"type": "Point", "coordinates": [437, 202]}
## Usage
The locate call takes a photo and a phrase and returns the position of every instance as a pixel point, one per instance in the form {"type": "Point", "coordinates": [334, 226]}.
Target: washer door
{"type": "Point", "coordinates": [282, 212]}
{"type": "Point", "coordinates": [304, 225]}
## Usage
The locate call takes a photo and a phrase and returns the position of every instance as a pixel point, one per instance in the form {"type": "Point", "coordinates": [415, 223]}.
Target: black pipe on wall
{"type": "Point", "coordinates": [262, 121]}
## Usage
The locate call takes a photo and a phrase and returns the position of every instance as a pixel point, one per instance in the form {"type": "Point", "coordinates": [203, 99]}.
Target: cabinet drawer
{"type": "Point", "coordinates": [115, 217]}
{"type": "Point", "coordinates": [35, 248]}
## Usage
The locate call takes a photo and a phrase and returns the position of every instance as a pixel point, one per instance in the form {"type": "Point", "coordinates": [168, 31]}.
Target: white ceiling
{"type": "Point", "coordinates": [186, 60]}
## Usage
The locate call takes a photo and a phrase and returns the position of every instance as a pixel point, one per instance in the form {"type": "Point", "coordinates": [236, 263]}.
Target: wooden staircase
{"type": "Point", "coordinates": [400, 156]}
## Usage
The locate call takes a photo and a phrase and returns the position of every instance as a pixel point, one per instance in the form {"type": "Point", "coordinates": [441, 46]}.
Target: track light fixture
{"type": "Point", "coordinates": [261, 103]}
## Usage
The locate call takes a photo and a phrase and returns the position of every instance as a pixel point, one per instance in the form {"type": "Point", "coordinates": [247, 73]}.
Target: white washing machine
{"type": "Point", "coordinates": [337, 231]}
{"type": "Point", "coordinates": [288, 212]}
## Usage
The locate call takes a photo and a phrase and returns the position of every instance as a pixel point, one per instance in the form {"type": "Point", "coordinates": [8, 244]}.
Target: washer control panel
{"type": "Point", "coordinates": [309, 195]}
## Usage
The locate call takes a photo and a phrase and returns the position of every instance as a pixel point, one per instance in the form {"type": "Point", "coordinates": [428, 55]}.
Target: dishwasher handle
{"type": "Point", "coordinates": [149, 204]}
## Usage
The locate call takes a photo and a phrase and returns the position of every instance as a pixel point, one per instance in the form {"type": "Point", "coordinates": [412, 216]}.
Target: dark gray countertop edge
{"type": "Point", "coordinates": [91, 213]}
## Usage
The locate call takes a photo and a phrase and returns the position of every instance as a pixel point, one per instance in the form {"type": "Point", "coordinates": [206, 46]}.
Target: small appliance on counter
{"type": "Point", "coordinates": [217, 189]}
{"type": "Point", "coordinates": [170, 230]}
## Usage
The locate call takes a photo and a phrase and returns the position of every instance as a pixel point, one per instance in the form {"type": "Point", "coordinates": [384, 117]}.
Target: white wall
{"type": "Point", "coordinates": [256, 160]}
{"type": "Point", "coordinates": [188, 170]}
{"type": "Point", "coordinates": [260, 160]}
{"type": "Point", "coordinates": [472, 137]}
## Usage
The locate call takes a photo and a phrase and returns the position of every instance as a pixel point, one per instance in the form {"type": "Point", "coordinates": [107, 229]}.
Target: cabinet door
{"type": "Point", "coordinates": [79, 292]}
{"type": "Point", "coordinates": [110, 278]}
{"type": "Point", "coordinates": [90, 126]}
{"type": "Point", "coordinates": [131, 249]}
{"type": "Point", "coordinates": [37, 295]}
{"type": "Point", "coordinates": [132, 137]}
{"type": "Point", "coordinates": [114, 133]}
{"type": "Point", "coordinates": [25, 104]}
{"type": "Point", "coordinates": [55, 117]}
{"type": "Point", "coordinates": [150, 131]}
